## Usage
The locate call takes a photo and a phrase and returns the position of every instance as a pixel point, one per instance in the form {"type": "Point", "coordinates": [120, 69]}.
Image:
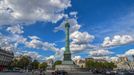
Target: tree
{"type": "Point", "coordinates": [90, 64]}
{"type": "Point", "coordinates": [57, 63]}
{"type": "Point", "coordinates": [35, 64]}
{"type": "Point", "coordinates": [99, 65]}
{"type": "Point", "coordinates": [24, 61]}
{"type": "Point", "coordinates": [13, 64]}
{"type": "Point", "coordinates": [43, 65]}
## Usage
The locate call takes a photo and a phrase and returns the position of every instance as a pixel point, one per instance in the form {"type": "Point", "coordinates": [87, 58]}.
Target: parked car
{"type": "Point", "coordinates": [60, 72]}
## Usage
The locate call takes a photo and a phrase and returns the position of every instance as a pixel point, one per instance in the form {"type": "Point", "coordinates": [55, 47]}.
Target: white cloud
{"type": "Point", "coordinates": [80, 47]}
{"type": "Point", "coordinates": [129, 52]}
{"type": "Point", "coordinates": [34, 44]}
{"type": "Point", "coordinates": [114, 58]}
{"type": "Point", "coordinates": [74, 13]}
{"type": "Point", "coordinates": [81, 37]}
{"type": "Point", "coordinates": [80, 41]}
{"type": "Point", "coordinates": [15, 35]}
{"type": "Point", "coordinates": [29, 11]}
{"type": "Point", "coordinates": [121, 55]}
{"type": "Point", "coordinates": [38, 44]}
{"type": "Point", "coordinates": [100, 52]}
{"type": "Point", "coordinates": [17, 29]}
{"type": "Point", "coordinates": [33, 55]}
{"type": "Point", "coordinates": [117, 40]}
{"type": "Point", "coordinates": [11, 42]}
{"type": "Point", "coordinates": [74, 26]}
{"type": "Point", "coordinates": [76, 58]}
{"type": "Point", "coordinates": [52, 57]}
{"type": "Point", "coordinates": [18, 39]}
{"type": "Point", "coordinates": [7, 46]}
{"type": "Point", "coordinates": [33, 37]}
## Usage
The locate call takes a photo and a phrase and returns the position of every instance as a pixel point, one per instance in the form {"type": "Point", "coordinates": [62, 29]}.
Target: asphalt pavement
{"type": "Point", "coordinates": [14, 73]}
{"type": "Point", "coordinates": [48, 73]}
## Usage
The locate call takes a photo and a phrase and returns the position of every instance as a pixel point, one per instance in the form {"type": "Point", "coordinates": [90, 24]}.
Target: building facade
{"type": "Point", "coordinates": [123, 63]}
{"type": "Point", "coordinates": [5, 58]}
{"type": "Point", "coordinates": [80, 63]}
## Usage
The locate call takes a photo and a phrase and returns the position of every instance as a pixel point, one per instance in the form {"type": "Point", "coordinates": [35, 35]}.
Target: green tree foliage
{"type": "Point", "coordinates": [57, 63]}
{"type": "Point", "coordinates": [24, 62]}
{"type": "Point", "coordinates": [43, 65]}
{"type": "Point", "coordinates": [35, 64]}
{"type": "Point", "coordinates": [14, 63]}
{"type": "Point", "coordinates": [91, 64]}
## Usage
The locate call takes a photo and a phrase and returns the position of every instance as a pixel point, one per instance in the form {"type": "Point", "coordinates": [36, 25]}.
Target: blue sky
{"type": "Point", "coordinates": [98, 18]}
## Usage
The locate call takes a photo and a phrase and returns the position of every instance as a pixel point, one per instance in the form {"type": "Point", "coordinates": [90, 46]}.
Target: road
{"type": "Point", "coordinates": [13, 73]}
{"type": "Point", "coordinates": [77, 73]}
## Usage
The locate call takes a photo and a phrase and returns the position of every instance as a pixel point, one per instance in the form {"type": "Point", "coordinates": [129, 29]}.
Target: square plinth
{"type": "Point", "coordinates": [67, 62]}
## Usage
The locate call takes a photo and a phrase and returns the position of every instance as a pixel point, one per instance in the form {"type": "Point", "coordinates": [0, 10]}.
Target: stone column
{"type": "Point", "coordinates": [67, 38]}
{"type": "Point", "coordinates": [67, 53]}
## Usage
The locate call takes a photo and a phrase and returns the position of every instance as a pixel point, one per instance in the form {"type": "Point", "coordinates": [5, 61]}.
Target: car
{"type": "Point", "coordinates": [60, 72]}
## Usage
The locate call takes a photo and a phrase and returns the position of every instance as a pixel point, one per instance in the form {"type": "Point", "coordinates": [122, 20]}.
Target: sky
{"type": "Point", "coordinates": [98, 28]}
